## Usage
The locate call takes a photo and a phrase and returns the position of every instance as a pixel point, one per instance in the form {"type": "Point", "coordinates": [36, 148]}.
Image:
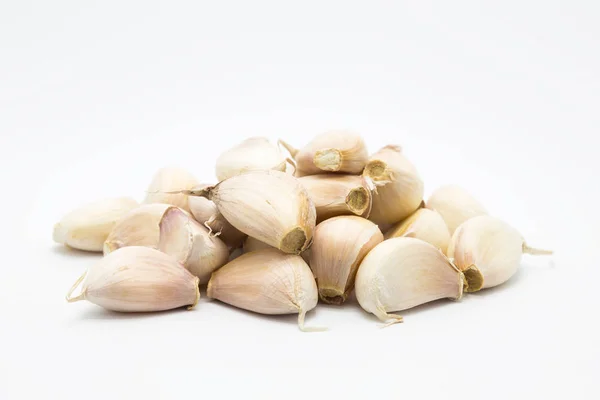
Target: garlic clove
{"type": "Point", "coordinates": [332, 151]}
{"type": "Point", "coordinates": [335, 195]}
{"type": "Point", "coordinates": [252, 244]}
{"type": "Point", "coordinates": [455, 205]}
{"type": "Point", "coordinates": [339, 246]}
{"type": "Point", "coordinates": [168, 180]}
{"type": "Point", "coordinates": [87, 227]}
{"type": "Point", "coordinates": [191, 244]}
{"type": "Point", "coordinates": [488, 251]}
{"type": "Point", "coordinates": [139, 227]}
{"type": "Point", "coordinates": [402, 273]}
{"type": "Point", "coordinates": [255, 153]}
{"type": "Point", "coordinates": [270, 206]}
{"type": "Point", "coordinates": [267, 282]}
{"type": "Point", "coordinates": [399, 189]}
{"type": "Point", "coordinates": [137, 279]}
{"type": "Point", "coordinates": [207, 213]}
{"type": "Point", "coordinates": [424, 224]}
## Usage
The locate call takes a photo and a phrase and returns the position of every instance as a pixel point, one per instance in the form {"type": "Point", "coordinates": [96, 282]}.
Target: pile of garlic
{"type": "Point", "coordinates": [278, 233]}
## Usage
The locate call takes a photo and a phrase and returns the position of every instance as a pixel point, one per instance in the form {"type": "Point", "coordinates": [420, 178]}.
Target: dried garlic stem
{"type": "Point", "coordinates": [536, 252]}
{"type": "Point", "coordinates": [75, 285]}
{"type": "Point", "coordinates": [301, 315]}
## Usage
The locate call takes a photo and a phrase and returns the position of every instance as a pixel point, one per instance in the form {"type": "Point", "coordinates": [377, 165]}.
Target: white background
{"type": "Point", "coordinates": [500, 97]}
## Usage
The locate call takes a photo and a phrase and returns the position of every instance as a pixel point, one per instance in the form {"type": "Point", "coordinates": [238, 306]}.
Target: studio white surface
{"type": "Point", "coordinates": [500, 97]}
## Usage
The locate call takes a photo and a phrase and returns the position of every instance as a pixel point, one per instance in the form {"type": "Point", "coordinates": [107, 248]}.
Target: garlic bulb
{"type": "Point", "coordinates": [191, 244]}
{"type": "Point", "coordinates": [137, 279]}
{"type": "Point", "coordinates": [423, 224]}
{"type": "Point", "coordinates": [455, 205]}
{"type": "Point", "coordinates": [399, 188]}
{"type": "Point", "coordinates": [207, 213]}
{"type": "Point", "coordinates": [168, 180]}
{"type": "Point", "coordinates": [339, 245]}
{"type": "Point", "coordinates": [333, 151]}
{"type": "Point", "coordinates": [87, 227]}
{"type": "Point", "coordinates": [267, 282]}
{"type": "Point", "coordinates": [402, 273]}
{"type": "Point", "coordinates": [490, 247]}
{"type": "Point", "coordinates": [335, 195]}
{"type": "Point", "coordinates": [270, 206]}
{"type": "Point", "coordinates": [255, 153]}
{"type": "Point", "coordinates": [139, 227]}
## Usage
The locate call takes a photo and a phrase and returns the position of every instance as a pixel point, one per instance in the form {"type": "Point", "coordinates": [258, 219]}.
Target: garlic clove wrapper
{"type": "Point", "coordinates": [332, 151]}
{"type": "Point", "coordinates": [424, 224]}
{"type": "Point", "coordinates": [168, 180]}
{"type": "Point", "coordinates": [402, 273]}
{"type": "Point", "coordinates": [137, 279]}
{"type": "Point", "coordinates": [207, 213]}
{"type": "Point", "coordinates": [339, 246]}
{"type": "Point", "coordinates": [252, 244]}
{"type": "Point", "coordinates": [270, 206]}
{"type": "Point", "coordinates": [335, 195]}
{"type": "Point", "coordinates": [139, 227]}
{"type": "Point", "coordinates": [191, 244]}
{"type": "Point", "coordinates": [255, 153]}
{"type": "Point", "coordinates": [490, 247]}
{"type": "Point", "coordinates": [87, 227]}
{"type": "Point", "coordinates": [455, 205]}
{"type": "Point", "coordinates": [267, 282]}
{"type": "Point", "coordinates": [399, 189]}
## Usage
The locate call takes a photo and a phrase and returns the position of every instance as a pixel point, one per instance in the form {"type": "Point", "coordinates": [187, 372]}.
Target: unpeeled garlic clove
{"type": "Point", "coordinates": [339, 246]}
{"type": "Point", "coordinates": [455, 205]}
{"type": "Point", "coordinates": [399, 189]}
{"type": "Point", "coordinates": [489, 247]}
{"type": "Point", "coordinates": [191, 244]}
{"type": "Point", "coordinates": [335, 195]}
{"type": "Point", "coordinates": [332, 151]}
{"type": "Point", "coordinates": [255, 153]}
{"type": "Point", "coordinates": [166, 182]}
{"type": "Point", "coordinates": [424, 224]}
{"type": "Point", "coordinates": [139, 227]}
{"type": "Point", "coordinates": [207, 213]}
{"type": "Point", "coordinates": [268, 282]}
{"type": "Point", "coordinates": [137, 279]}
{"type": "Point", "coordinates": [87, 227]}
{"type": "Point", "coordinates": [270, 206]}
{"type": "Point", "coordinates": [252, 244]}
{"type": "Point", "coordinates": [402, 273]}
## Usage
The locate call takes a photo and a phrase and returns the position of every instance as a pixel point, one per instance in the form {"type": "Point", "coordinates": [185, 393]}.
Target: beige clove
{"type": "Point", "coordinates": [255, 153]}
{"type": "Point", "coordinates": [424, 224]}
{"type": "Point", "coordinates": [399, 189]}
{"type": "Point", "coordinates": [268, 282]}
{"type": "Point", "coordinates": [137, 279]}
{"type": "Point", "coordinates": [455, 205]}
{"type": "Point", "coordinates": [339, 246]}
{"type": "Point", "coordinates": [168, 180]}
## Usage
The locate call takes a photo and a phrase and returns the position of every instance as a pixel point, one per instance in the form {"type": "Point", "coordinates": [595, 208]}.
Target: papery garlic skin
{"type": "Point", "coordinates": [424, 224]}
{"type": "Point", "coordinates": [139, 227]}
{"type": "Point", "coordinates": [138, 279]}
{"type": "Point", "coordinates": [266, 281]}
{"type": "Point", "coordinates": [402, 273]}
{"type": "Point", "coordinates": [332, 151]}
{"type": "Point", "coordinates": [87, 227]}
{"type": "Point", "coordinates": [207, 213]}
{"type": "Point", "coordinates": [191, 244]}
{"type": "Point", "coordinates": [455, 205]}
{"type": "Point", "coordinates": [270, 206]}
{"type": "Point", "coordinates": [335, 195]}
{"type": "Point", "coordinates": [255, 153]}
{"type": "Point", "coordinates": [171, 179]}
{"type": "Point", "coordinates": [339, 246]}
{"type": "Point", "coordinates": [399, 189]}
{"type": "Point", "coordinates": [490, 245]}
{"type": "Point", "coordinates": [252, 244]}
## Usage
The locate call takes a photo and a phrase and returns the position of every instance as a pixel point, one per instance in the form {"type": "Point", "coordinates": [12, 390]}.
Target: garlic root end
{"type": "Point", "coordinates": [473, 279]}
